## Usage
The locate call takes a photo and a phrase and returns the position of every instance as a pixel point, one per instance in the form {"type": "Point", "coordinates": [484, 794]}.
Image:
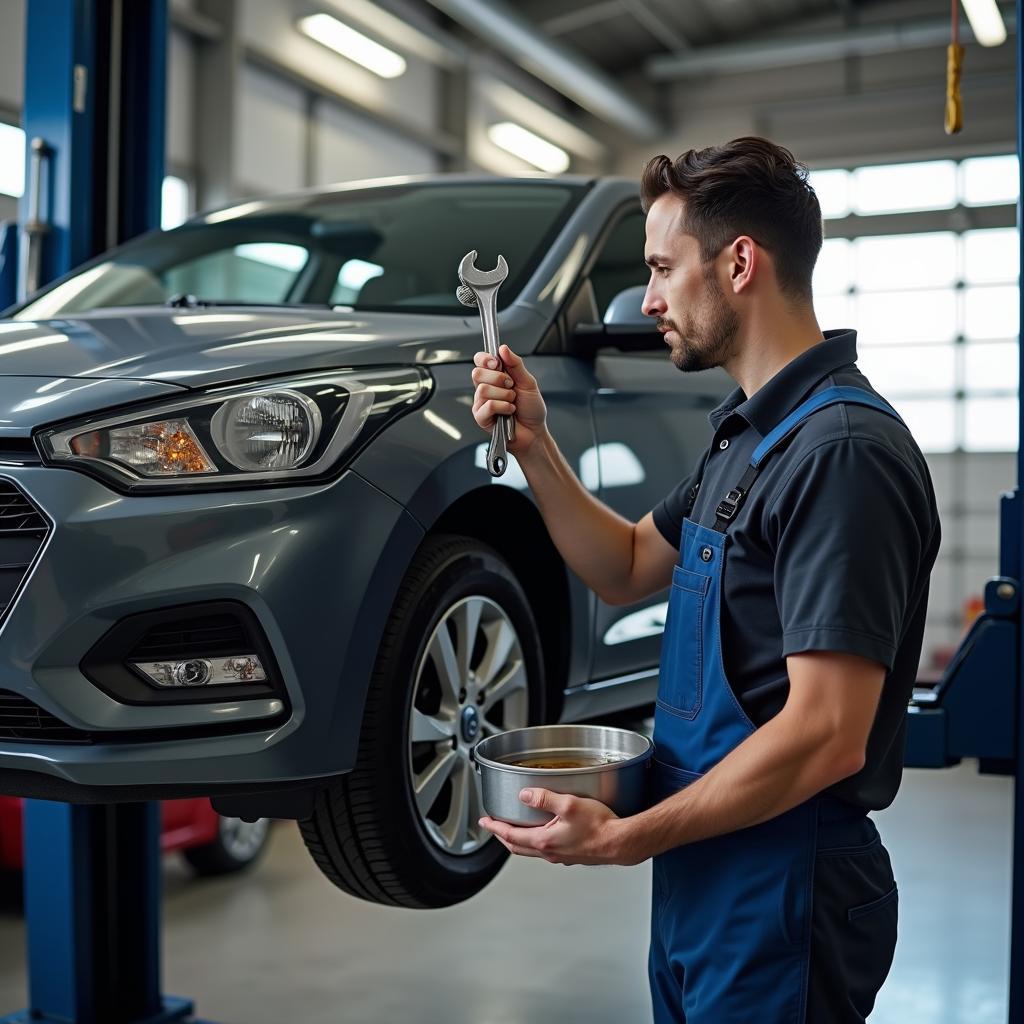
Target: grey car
{"type": "Point", "coordinates": [251, 546]}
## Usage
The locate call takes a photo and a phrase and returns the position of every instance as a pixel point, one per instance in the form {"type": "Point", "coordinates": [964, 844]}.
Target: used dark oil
{"type": "Point", "coordinates": [558, 761]}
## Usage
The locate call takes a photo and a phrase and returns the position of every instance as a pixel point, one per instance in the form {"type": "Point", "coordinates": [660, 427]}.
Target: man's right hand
{"type": "Point", "coordinates": [512, 391]}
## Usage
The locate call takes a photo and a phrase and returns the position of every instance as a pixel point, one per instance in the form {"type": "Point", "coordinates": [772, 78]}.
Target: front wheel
{"type": "Point", "coordinates": [460, 659]}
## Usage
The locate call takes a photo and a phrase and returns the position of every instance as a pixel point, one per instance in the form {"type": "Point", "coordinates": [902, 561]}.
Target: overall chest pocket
{"type": "Point", "coordinates": [680, 678]}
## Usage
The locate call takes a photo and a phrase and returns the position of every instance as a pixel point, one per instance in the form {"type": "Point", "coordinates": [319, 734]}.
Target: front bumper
{"type": "Point", "coordinates": [317, 566]}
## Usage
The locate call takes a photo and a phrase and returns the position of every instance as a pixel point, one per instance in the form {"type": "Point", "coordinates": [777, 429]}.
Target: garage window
{"type": "Point", "coordinates": [937, 311]}
{"type": "Point", "coordinates": [12, 160]}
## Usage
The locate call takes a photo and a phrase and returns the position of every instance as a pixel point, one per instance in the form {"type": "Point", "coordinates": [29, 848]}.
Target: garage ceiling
{"type": "Point", "coordinates": [620, 35]}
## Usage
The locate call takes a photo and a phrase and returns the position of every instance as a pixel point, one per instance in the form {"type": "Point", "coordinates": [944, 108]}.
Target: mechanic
{"type": "Point", "coordinates": [798, 553]}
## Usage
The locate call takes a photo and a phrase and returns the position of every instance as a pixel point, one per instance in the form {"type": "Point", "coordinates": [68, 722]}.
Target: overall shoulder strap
{"type": "Point", "coordinates": [830, 396]}
{"type": "Point", "coordinates": [691, 494]}
{"type": "Point", "coordinates": [729, 506]}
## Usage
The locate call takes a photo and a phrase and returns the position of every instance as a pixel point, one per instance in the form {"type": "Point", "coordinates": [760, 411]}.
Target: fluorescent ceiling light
{"type": "Point", "coordinates": [515, 139]}
{"type": "Point", "coordinates": [353, 45]}
{"type": "Point", "coordinates": [986, 22]}
{"type": "Point", "coordinates": [512, 105]}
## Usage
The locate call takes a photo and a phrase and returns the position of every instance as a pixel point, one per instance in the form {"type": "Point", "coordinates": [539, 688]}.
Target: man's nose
{"type": "Point", "coordinates": [653, 304]}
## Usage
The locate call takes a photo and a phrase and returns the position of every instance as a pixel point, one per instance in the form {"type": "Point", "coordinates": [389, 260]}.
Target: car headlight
{"type": "Point", "coordinates": [274, 432]}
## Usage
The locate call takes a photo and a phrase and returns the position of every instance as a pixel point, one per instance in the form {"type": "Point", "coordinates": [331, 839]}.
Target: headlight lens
{"type": "Point", "coordinates": [274, 431]}
{"type": "Point", "coordinates": [231, 437]}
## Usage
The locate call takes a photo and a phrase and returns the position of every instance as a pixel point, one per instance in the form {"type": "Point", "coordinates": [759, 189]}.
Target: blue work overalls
{"type": "Point", "coordinates": [730, 915]}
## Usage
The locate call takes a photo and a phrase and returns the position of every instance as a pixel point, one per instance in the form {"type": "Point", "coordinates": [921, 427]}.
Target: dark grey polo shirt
{"type": "Point", "coordinates": [831, 551]}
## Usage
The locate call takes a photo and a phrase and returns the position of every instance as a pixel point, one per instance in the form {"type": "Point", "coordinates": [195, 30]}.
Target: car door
{"type": "Point", "coordinates": [651, 426]}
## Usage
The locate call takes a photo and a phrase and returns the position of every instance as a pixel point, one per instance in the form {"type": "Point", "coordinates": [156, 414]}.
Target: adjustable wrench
{"type": "Point", "coordinates": [480, 288]}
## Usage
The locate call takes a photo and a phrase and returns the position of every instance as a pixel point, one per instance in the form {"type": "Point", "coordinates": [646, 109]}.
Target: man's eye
{"type": "Point", "coordinates": [664, 271]}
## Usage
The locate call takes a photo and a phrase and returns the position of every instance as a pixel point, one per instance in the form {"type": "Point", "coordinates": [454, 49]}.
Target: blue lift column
{"type": "Point", "coordinates": [1016, 524]}
{"type": "Point", "coordinates": [95, 88]}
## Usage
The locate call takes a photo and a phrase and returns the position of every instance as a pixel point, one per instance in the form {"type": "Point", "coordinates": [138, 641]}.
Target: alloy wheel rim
{"type": "Point", "coordinates": [470, 683]}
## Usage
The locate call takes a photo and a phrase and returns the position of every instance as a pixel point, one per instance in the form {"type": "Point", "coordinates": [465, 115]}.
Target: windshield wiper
{"type": "Point", "coordinates": [183, 301]}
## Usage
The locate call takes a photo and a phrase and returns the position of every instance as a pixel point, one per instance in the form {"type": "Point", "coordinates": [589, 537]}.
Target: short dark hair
{"type": "Point", "coordinates": [749, 186]}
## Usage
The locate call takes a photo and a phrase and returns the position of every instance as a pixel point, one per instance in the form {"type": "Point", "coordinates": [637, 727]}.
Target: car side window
{"type": "Point", "coordinates": [620, 264]}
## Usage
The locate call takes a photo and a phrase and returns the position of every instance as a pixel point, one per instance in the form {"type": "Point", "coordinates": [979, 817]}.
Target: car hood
{"type": "Point", "coordinates": [199, 348]}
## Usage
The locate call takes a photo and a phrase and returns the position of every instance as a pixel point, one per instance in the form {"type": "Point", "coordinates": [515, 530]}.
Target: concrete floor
{"type": "Point", "coordinates": [553, 945]}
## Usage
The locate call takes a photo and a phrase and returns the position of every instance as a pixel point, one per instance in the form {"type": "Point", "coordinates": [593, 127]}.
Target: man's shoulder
{"type": "Point", "coordinates": [854, 422]}
{"type": "Point", "coordinates": [852, 439]}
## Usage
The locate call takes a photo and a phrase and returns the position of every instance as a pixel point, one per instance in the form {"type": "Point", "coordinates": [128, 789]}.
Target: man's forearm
{"type": "Point", "coordinates": [596, 542]}
{"type": "Point", "coordinates": [780, 765]}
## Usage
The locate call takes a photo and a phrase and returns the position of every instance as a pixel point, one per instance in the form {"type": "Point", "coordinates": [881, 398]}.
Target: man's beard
{"type": "Point", "coordinates": [709, 343]}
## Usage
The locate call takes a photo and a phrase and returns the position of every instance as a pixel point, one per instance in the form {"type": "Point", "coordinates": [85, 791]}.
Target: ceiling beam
{"type": "Point", "coordinates": [504, 28]}
{"type": "Point", "coordinates": [656, 26]}
{"type": "Point", "coordinates": [582, 17]}
{"type": "Point", "coordinates": [813, 48]}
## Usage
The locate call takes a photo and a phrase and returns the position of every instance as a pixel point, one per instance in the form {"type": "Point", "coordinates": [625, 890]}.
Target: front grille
{"type": "Point", "coordinates": [20, 719]}
{"type": "Point", "coordinates": [208, 636]}
{"type": "Point", "coordinates": [17, 514]}
{"type": "Point", "coordinates": [22, 532]}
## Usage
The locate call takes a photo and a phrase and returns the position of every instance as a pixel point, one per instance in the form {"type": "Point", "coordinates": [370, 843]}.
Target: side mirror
{"type": "Point", "coordinates": [625, 327]}
{"type": "Point", "coordinates": [626, 310]}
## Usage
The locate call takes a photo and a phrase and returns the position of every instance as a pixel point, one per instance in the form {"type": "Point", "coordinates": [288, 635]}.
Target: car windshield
{"type": "Point", "coordinates": [388, 248]}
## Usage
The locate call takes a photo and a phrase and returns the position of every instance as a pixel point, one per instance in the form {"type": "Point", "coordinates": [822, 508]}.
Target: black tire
{"type": "Point", "coordinates": [366, 833]}
{"type": "Point", "coordinates": [229, 853]}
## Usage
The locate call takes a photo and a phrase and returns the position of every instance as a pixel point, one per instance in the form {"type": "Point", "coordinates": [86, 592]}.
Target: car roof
{"type": "Point", "coordinates": [462, 178]}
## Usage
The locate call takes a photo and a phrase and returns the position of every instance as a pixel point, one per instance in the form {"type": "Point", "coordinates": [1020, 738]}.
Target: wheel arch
{"type": "Point", "coordinates": [511, 524]}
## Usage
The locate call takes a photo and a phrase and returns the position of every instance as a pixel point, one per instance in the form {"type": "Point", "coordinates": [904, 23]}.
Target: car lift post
{"type": "Point", "coordinates": [94, 118]}
{"type": "Point", "coordinates": [8, 263]}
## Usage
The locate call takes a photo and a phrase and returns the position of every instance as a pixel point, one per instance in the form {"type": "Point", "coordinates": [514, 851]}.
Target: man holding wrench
{"type": "Point", "coordinates": [797, 554]}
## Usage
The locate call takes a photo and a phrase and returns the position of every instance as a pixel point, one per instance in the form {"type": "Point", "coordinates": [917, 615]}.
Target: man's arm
{"type": "Point", "coordinates": [620, 561]}
{"type": "Point", "coordinates": [818, 738]}
{"type": "Point", "coordinates": [593, 539]}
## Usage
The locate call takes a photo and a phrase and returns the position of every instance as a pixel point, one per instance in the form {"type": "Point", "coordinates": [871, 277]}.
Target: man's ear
{"type": "Point", "coordinates": [744, 263]}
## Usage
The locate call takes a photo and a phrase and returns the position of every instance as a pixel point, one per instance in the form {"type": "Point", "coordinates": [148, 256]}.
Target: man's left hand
{"type": "Point", "coordinates": [583, 831]}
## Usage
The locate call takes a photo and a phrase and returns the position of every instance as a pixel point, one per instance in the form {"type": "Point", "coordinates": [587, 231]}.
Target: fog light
{"type": "Point", "coordinates": [239, 668]}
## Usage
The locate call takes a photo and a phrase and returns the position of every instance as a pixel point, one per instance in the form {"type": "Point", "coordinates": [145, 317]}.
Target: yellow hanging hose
{"type": "Point", "coordinates": [954, 105]}
{"type": "Point", "coordinates": [954, 65]}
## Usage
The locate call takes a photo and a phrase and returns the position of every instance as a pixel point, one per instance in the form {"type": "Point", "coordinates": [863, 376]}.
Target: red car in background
{"type": "Point", "coordinates": [211, 844]}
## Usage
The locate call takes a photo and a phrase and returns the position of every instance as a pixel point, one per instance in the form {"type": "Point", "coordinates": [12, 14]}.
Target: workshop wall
{"type": "Point", "coordinates": [270, 134]}
{"type": "Point", "coordinates": [316, 142]}
{"type": "Point", "coordinates": [12, 55]}
{"type": "Point", "coordinates": [347, 147]}
{"type": "Point", "coordinates": [269, 32]}
{"type": "Point", "coordinates": [181, 98]}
